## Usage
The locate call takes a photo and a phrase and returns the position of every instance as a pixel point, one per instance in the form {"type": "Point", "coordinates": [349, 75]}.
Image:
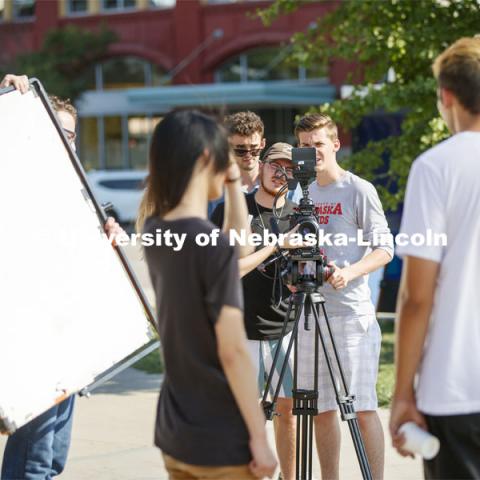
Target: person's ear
{"type": "Point", "coordinates": [446, 97]}
{"type": "Point", "coordinates": [262, 143]}
{"type": "Point", "coordinates": [336, 145]}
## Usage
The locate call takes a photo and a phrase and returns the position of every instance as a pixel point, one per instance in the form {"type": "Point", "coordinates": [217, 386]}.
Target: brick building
{"type": "Point", "coordinates": [205, 53]}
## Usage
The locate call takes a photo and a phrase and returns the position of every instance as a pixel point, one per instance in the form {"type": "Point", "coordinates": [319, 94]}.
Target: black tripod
{"type": "Point", "coordinates": [308, 299]}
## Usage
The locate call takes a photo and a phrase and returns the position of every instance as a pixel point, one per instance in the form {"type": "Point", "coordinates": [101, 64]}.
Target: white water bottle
{"type": "Point", "coordinates": [419, 441]}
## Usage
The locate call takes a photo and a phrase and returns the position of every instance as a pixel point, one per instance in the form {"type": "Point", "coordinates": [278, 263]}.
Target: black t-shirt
{"type": "Point", "coordinates": [198, 421]}
{"type": "Point", "coordinates": [264, 313]}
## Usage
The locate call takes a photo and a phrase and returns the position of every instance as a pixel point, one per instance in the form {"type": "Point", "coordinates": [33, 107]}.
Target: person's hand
{"type": "Point", "coordinates": [403, 411]}
{"type": "Point", "coordinates": [340, 277]}
{"type": "Point", "coordinates": [113, 229]}
{"type": "Point", "coordinates": [263, 462]}
{"type": "Point", "coordinates": [20, 82]}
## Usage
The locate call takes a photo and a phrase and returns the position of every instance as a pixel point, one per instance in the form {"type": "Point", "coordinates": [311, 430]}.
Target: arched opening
{"type": "Point", "coordinates": [265, 63]}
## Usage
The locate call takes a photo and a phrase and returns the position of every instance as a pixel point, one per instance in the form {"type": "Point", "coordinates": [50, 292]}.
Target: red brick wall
{"type": "Point", "coordinates": [166, 37]}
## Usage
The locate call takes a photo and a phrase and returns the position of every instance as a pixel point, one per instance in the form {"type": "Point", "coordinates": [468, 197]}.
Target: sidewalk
{"type": "Point", "coordinates": [113, 430]}
{"type": "Point", "coordinates": [113, 436]}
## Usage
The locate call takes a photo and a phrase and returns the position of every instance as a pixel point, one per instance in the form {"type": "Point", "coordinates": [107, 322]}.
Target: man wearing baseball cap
{"type": "Point", "coordinates": [265, 307]}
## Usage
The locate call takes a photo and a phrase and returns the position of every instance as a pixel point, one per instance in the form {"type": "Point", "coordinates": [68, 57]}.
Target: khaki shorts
{"type": "Point", "coordinates": [183, 471]}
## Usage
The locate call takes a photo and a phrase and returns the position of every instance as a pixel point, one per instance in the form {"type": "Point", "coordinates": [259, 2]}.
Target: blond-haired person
{"type": "Point", "coordinates": [437, 374]}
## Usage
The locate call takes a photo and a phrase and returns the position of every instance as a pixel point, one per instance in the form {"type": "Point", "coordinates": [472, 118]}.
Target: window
{"type": "Point", "coordinates": [118, 4]}
{"type": "Point", "coordinates": [77, 6]}
{"type": "Point", "coordinates": [113, 143]}
{"type": "Point", "coordinates": [266, 63]}
{"type": "Point", "coordinates": [116, 142]}
{"type": "Point", "coordinates": [89, 143]}
{"type": "Point", "coordinates": [2, 10]}
{"type": "Point", "coordinates": [162, 3]}
{"type": "Point", "coordinates": [140, 129]}
{"type": "Point", "coordinates": [23, 9]}
{"type": "Point", "coordinates": [123, 72]}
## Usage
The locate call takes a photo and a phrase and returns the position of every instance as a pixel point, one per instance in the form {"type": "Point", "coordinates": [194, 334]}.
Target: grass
{"type": "Point", "coordinates": [152, 364]}
{"type": "Point", "coordinates": [386, 372]}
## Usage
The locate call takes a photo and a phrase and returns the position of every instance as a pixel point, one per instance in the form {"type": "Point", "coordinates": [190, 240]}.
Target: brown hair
{"type": "Point", "coordinates": [458, 69]}
{"type": "Point", "coordinates": [244, 124]}
{"type": "Point", "coordinates": [146, 208]}
{"type": "Point", "coordinates": [60, 105]}
{"type": "Point", "coordinates": [314, 121]}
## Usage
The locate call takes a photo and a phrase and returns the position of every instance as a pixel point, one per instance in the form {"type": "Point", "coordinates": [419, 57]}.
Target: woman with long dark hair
{"type": "Point", "coordinates": [209, 423]}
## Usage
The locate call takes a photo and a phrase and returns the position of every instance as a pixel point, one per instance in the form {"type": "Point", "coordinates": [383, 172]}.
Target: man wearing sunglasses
{"type": "Point", "coordinates": [263, 297]}
{"type": "Point", "coordinates": [245, 133]}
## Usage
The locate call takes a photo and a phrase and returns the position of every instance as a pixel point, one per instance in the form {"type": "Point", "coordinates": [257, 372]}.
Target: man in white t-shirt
{"type": "Point", "coordinates": [438, 337]}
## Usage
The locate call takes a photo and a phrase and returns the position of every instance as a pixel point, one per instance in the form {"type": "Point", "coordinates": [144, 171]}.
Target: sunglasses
{"type": "Point", "coordinates": [242, 152]}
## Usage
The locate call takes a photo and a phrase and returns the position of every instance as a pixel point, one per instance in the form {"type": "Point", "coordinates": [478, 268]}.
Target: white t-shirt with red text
{"type": "Point", "coordinates": [351, 216]}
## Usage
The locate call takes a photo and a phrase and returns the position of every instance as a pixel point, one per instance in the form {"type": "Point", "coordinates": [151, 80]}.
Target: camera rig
{"type": "Point", "coordinates": [306, 266]}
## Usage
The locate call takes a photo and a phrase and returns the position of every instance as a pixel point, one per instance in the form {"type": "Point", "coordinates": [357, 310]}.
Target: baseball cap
{"type": "Point", "coordinates": [278, 151]}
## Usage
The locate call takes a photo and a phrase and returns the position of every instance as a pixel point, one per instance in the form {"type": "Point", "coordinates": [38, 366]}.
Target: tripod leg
{"type": "Point", "coordinates": [345, 402]}
{"type": "Point", "coordinates": [334, 347]}
{"type": "Point", "coordinates": [277, 350]}
{"type": "Point", "coordinates": [305, 407]}
{"type": "Point", "coordinates": [269, 407]}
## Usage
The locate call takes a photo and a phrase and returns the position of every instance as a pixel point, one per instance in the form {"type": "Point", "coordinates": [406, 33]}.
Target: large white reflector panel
{"type": "Point", "coordinates": [68, 309]}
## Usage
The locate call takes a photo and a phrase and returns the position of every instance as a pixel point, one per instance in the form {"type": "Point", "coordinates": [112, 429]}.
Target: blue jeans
{"type": "Point", "coordinates": [39, 449]}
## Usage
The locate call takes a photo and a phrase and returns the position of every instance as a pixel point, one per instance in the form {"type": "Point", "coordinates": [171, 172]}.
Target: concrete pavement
{"type": "Point", "coordinates": [113, 430]}
{"type": "Point", "coordinates": [113, 436]}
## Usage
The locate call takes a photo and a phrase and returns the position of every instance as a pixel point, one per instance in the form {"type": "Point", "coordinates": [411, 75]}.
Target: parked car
{"type": "Point", "coordinates": [122, 188]}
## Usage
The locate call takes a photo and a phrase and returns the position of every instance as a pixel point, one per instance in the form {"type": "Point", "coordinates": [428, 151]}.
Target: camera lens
{"type": "Point", "coordinates": [306, 227]}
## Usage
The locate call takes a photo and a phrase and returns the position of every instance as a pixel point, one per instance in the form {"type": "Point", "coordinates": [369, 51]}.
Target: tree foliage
{"type": "Point", "coordinates": [380, 35]}
{"type": "Point", "coordinates": [63, 61]}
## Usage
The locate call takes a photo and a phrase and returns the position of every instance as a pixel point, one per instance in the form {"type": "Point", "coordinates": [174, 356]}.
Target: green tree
{"type": "Point", "coordinates": [62, 64]}
{"type": "Point", "coordinates": [380, 35]}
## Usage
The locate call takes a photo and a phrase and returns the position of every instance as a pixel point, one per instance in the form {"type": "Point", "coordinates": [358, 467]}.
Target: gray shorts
{"type": "Point", "coordinates": [358, 341]}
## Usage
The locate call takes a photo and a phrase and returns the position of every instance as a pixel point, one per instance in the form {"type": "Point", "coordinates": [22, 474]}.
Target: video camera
{"type": "Point", "coordinates": [305, 266]}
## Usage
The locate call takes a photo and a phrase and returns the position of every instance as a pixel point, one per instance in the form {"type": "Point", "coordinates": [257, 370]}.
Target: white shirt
{"type": "Point", "coordinates": [443, 195]}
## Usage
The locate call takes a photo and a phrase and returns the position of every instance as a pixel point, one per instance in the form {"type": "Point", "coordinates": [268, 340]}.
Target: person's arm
{"type": "Point", "coordinates": [252, 261]}
{"type": "Point", "coordinates": [240, 372]}
{"type": "Point", "coordinates": [248, 263]}
{"type": "Point", "coordinates": [414, 306]}
{"type": "Point", "coordinates": [369, 263]}
{"type": "Point", "coordinates": [371, 220]}
{"type": "Point", "coordinates": [236, 212]}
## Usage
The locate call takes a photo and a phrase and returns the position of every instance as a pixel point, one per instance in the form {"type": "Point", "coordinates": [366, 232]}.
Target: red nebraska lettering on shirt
{"type": "Point", "coordinates": [324, 210]}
